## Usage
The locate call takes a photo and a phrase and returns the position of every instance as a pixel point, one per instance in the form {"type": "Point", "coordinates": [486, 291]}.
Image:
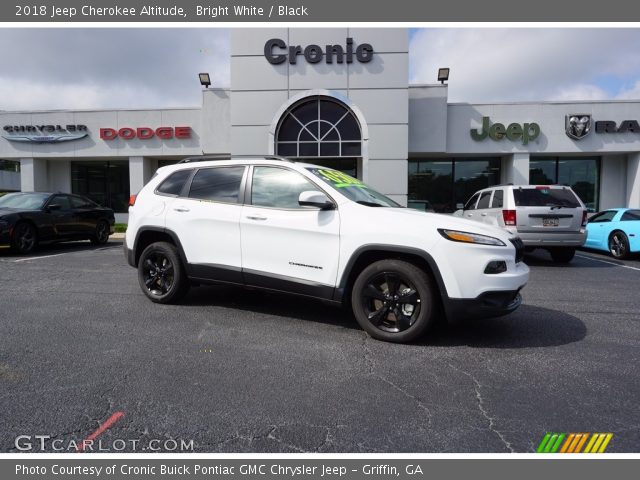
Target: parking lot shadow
{"type": "Point", "coordinates": [540, 258]}
{"type": "Point", "coordinates": [271, 303]}
{"type": "Point", "coordinates": [528, 327]}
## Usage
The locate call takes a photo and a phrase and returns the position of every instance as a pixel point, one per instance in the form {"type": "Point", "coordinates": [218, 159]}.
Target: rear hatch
{"type": "Point", "coordinates": [547, 209]}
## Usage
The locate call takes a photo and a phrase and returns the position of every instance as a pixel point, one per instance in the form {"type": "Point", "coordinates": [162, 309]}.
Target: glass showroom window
{"type": "Point", "coordinates": [581, 174]}
{"type": "Point", "coordinates": [320, 128]}
{"type": "Point", "coordinates": [441, 184]}
{"type": "Point", "coordinates": [106, 183]}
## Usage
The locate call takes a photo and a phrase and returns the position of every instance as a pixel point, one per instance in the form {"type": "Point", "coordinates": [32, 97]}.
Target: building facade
{"type": "Point", "coordinates": [339, 97]}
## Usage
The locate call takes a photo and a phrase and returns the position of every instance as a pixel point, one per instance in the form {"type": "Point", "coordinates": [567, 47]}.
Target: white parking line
{"type": "Point", "coordinates": [609, 263]}
{"type": "Point", "coordinates": [38, 258]}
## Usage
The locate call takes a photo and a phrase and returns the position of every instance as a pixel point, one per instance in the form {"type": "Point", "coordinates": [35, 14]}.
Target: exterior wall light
{"type": "Point", "coordinates": [205, 80]}
{"type": "Point", "coordinates": [443, 75]}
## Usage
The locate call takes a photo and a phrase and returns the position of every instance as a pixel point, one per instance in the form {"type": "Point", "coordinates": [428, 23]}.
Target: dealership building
{"type": "Point", "coordinates": [339, 97]}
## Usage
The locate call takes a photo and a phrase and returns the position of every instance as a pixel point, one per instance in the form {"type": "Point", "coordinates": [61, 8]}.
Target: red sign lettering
{"type": "Point", "coordinates": [145, 133]}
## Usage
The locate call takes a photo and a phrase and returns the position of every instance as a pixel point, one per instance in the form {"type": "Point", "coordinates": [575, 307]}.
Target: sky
{"type": "Point", "coordinates": [74, 68]}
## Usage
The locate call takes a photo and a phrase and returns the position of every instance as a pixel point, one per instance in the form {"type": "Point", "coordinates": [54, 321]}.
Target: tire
{"type": "Point", "coordinates": [101, 236]}
{"type": "Point", "coordinates": [24, 239]}
{"type": "Point", "coordinates": [619, 245]}
{"type": "Point", "coordinates": [376, 300]}
{"type": "Point", "coordinates": [161, 275]}
{"type": "Point", "coordinates": [562, 254]}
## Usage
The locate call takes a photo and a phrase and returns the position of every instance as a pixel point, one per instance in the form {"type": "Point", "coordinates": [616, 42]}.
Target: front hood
{"type": "Point", "coordinates": [4, 212]}
{"type": "Point", "coordinates": [441, 220]}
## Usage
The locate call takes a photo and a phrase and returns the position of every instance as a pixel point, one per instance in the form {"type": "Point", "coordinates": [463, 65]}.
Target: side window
{"type": "Point", "coordinates": [172, 185]}
{"type": "Point", "coordinates": [498, 199]}
{"type": "Point", "coordinates": [484, 200]}
{"type": "Point", "coordinates": [278, 187]}
{"type": "Point", "coordinates": [471, 204]}
{"type": "Point", "coordinates": [62, 200]}
{"type": "Point", "coordinates": [602, 217]}
{"type": "Point", "coordinates": [630, 215]}
{"type": "Point", "coordinates": [79, 202]}
{"type": "Point", "coordinates": [218, 184]}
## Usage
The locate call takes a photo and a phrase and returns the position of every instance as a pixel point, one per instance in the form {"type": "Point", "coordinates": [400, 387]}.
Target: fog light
{"type": "Point", "coordinates": [496, 266]}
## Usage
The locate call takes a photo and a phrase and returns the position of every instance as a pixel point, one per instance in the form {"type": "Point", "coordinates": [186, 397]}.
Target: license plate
{"type": "Point", "coordinates": [550, 222]}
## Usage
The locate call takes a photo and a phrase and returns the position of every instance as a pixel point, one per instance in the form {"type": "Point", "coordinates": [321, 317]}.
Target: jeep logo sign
{"type": "Point", "coordinates": [277, 52]}
{"type": "Point", "coordinates": [514, 132]}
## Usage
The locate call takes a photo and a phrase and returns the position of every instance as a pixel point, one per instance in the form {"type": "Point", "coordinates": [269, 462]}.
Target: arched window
{"type": "Point", "coordinates": [318, 127]}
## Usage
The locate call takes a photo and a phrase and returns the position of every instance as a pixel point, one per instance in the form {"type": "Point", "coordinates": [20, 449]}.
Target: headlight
{"type": "Point", "coordinates": [468, 237]}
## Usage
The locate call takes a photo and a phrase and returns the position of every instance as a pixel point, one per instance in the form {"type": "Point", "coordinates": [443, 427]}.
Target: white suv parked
{"type": "Point", "coordinates": [543, 216]}
{"type": "Point", "coordinates": [310, 230]}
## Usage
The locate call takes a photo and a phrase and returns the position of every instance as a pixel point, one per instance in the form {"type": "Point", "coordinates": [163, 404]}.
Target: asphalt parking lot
{"type": "Point", "coordinates": [247, 371]}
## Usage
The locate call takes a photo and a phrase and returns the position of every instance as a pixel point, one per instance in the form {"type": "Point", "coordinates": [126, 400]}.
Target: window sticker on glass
{"type": "Point", "coordinates": [338, 179]}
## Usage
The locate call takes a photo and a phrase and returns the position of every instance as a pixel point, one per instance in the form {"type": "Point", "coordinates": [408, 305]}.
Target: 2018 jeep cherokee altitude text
{"type": "Point", "coordinates": [311, 230]}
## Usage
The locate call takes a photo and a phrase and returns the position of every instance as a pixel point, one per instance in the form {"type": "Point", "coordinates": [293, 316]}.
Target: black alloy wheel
{"type": "Point", "coordinates": [160, 273]}
{"type": "Point", "coordinates": [24, 238]}
{"type": "Point", "coordinates": [393, 300]}
{"type": "Point", "coordinates": [101, 236]}
{"type": "Point", "coordinates": [619, 245]}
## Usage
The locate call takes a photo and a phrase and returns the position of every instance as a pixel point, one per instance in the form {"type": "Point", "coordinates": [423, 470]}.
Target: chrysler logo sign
{"type": "Point", "coordinates": [44, 133]}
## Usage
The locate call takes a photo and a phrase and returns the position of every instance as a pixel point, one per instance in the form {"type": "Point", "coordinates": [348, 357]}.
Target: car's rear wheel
{"type": "Point", "coordinates": [562, 254]}
{"type": "Point", "coordinates": [161, 274]}
{"type": "Point", "coordinates": [619, 245]}
{"type": "Point", "coordinates": [101, 235]}
{"type": "Point", "coordinates": [393, 300]}
{"type": "Point", "coordinates": [25, 238]}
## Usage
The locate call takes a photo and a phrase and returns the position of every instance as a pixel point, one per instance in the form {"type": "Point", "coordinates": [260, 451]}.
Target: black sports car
{"type": "Point", "coordinates": [29, 219]}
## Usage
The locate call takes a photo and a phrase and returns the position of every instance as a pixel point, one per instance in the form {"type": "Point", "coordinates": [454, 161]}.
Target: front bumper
{"type": "Point", "coordinates": [552, 239]}
{"type": "Point", "coordinates": [485, 305]}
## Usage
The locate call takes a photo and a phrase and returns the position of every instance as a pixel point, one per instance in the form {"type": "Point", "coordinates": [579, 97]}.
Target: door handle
{"type": "Point", "coordinates": [256, 217]}
{"type": "Point", "coordinates": [483, 214]}
{"type": "Point", "coordinates": [469, 214]}
{"type": "Point", "coordinates": [181, 209]}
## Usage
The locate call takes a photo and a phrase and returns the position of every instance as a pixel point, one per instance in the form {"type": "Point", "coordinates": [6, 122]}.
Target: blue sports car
{"type": "Point", "coordinates": [616, 230]}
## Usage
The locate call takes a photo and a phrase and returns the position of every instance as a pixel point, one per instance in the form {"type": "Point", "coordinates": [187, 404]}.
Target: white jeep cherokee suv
{"type": "Point", "coordinates": [310, 230]}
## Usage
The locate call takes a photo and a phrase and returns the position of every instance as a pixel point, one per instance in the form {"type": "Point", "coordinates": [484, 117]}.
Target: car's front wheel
{"type": "Point", "coordinates": [619, 245]}
{"type": "Point", "coordinates": [25, 238]}
{"type": "Point", "coordinates": [393, 300]}
{"type": "Point", "coordinates": [101, 235]}
{"type": "Point", "coordinates": [161, 275]}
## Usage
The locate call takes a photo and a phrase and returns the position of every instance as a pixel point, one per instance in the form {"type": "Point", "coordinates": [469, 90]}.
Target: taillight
{"type": "Point", "coordinates": [584, 218]}
{"type": "Point", "coordinates": [132, 200]}
{"type": "Point", "coordinates": [509, 217]}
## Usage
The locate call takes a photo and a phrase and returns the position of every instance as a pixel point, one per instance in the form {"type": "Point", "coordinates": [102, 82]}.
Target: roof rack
{"type": "Point", "coordinates": [206, 158]}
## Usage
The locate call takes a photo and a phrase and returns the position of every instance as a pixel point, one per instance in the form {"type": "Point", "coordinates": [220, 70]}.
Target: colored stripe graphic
{"type": "Point", "coordinates": [553, 442]}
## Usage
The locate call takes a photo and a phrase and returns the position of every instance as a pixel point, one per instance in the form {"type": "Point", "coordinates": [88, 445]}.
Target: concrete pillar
{"type": "Point", "coordinates": [140, 172]}
{"type": "Point", "coordinates": [633, 180]}
{"type": "Point", "coordinates": [33, 175]}
{"type": "Point", "coordinates": [515, 169]}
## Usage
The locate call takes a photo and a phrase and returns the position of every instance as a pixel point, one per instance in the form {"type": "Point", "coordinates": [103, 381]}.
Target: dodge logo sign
{"type": "Point", "coordinates": [578, 125]}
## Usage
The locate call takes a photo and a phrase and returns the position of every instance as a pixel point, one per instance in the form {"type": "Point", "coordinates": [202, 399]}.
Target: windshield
{"type": "Point", "coordinates": [353, 188]}
{"type": "Point", "coordinates": [545, 197]}
{"type": "Point", "coordinates": [27, 201]}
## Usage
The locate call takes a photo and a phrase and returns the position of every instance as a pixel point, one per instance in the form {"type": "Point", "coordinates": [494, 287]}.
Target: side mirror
{"type": "Point", "coordinates": [53, 207]}
{"type": "Point", "coordinates": [459, 206]}
{"type": "Point", "coordinates": [315, 199]}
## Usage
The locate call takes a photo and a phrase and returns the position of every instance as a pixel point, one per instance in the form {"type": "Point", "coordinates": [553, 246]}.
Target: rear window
{"type": "Point", "coordinates": [173, 184]}
{"type": "Point", "coordinates": [545, 197]}
{"type": "Point", "coordinates": [630, 215]}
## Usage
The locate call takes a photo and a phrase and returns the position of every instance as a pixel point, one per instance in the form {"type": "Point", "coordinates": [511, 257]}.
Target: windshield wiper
{"type": "Point", "coordinates": [369, 204]}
